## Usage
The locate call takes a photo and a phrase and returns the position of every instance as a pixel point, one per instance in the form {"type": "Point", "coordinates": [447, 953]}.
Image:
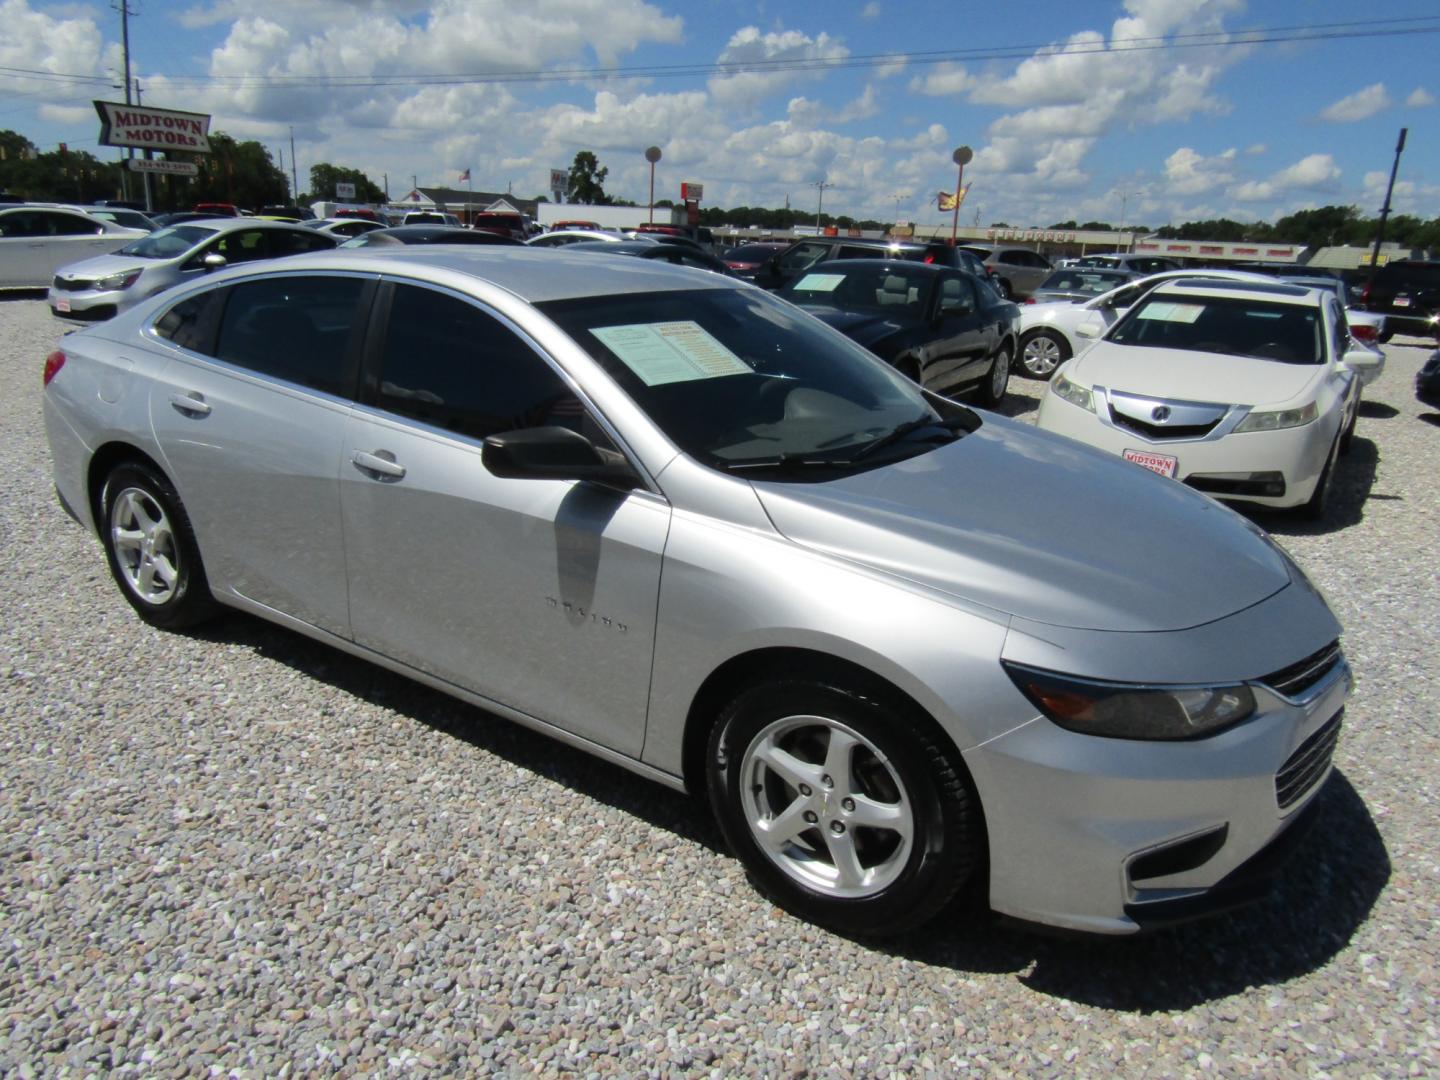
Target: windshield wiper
{"type": "Point", "coordinates": [786, 461]}
{"type": "Point", "coordinates": [952, 426]}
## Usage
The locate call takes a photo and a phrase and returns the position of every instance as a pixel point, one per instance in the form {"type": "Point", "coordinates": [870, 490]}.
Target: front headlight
{"type": "Point", "coordinates": [1282, 418]}
{"type": "Point", "coordinates": [1066, 390]}
{"type": "Point", "coordinates": [122, 280]}
{"type": "Point", "coordinates": [1130, 710]}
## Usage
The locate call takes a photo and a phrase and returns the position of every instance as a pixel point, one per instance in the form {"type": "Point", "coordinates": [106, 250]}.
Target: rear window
{"type": "Point", "coordinates": [1398, 275]}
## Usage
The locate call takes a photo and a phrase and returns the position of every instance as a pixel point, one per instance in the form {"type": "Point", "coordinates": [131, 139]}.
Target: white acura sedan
{"type": "Point", "coordinates": [1243, 390]}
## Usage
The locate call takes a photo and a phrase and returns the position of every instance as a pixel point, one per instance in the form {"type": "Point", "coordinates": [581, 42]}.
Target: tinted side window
{"type": "Point", "coordinates": [243, 245]}
{"type": "Point", "coordinates": [71, 225]}
{"type": "Point", "coordinates": [956, 290]}
{"type": "Point", "coordinates": [294, 242]}
{"type": "Point", "coordinates": [802, 256]}
{"type": "Point", "coordinates": [294, 328]}
{"type": "Point", "coordinates": [192, 323]}
{"type": "Point", "coordinates": [447, 363]}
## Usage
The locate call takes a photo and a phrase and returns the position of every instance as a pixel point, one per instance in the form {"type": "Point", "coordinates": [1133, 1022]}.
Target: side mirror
{"type": "Point", "coordinates": [1092, 326]}
{"type": "Point", "coordinates": [554, 453]}
{"type": "Point", "coordinates": [1361, 360]}
{"type": "Point", "coordinates": [213, 261]}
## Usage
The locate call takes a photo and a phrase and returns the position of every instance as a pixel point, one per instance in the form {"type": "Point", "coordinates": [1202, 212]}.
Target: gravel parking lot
{"type": "Point", "coordinates": [239, 852]}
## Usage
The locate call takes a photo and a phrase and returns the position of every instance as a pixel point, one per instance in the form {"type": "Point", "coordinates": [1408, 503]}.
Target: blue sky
{"type": "Point", "coordinates": [1175, 109]}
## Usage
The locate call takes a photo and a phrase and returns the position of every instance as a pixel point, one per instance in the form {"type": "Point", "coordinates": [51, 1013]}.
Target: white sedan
{"type": "Point", "coordinates": [1243, 390]}
{"type": "Point", "coordinates": [36, 239]}
{"type": "Point", "coordinates": [1048, 334]}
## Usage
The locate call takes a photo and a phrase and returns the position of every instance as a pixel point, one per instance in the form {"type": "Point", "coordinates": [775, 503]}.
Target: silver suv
{"type": "Point", "coordinates": [1015, 271]}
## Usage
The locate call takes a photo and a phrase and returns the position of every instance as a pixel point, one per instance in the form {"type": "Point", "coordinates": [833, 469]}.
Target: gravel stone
{"type": "Point", "coordinates": [236, 852]}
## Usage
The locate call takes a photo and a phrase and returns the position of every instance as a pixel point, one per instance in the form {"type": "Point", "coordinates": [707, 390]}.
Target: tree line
{"type": "Point", "coordinates": [245, 174]}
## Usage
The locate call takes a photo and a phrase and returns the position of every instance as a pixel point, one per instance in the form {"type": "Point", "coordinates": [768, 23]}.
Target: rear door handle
{"type": "Point", "coordinates": [193, 403]}
{"type": "Point", "coordinates": [382, 462]}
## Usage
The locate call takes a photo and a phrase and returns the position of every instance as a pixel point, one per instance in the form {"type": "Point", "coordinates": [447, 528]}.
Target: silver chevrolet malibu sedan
{"type": "Point", "coordinates": [907, 650]}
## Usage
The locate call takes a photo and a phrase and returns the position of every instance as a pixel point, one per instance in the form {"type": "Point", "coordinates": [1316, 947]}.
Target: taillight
{"type": "Point", "coordinates": [53, 363]}
{"type": "Point", "coordinates": [1362, 332]}
{"type": "Point", "coordinates": [1029, 300]}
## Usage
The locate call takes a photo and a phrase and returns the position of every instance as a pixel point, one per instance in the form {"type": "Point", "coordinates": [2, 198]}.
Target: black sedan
{"type": "Point", "coordinates": [426, 234]}
{"type": "Point", "coordinates": [679, 254]}
{"type": "Point", "coordinates": [943, 327]}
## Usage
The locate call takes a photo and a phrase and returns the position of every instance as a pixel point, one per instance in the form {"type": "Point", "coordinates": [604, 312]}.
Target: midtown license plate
{"type": "Point", "coordinates": [1164, 464]}
{"type": "Point", "coordinates": [62, 305]}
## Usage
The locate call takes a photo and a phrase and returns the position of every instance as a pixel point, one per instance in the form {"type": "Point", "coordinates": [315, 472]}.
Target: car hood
{"type": "Point", "coordinates": [1040, 527]}
{"type": "Point", "coordinates": [103, 266]}
{"type": "Point", "coordinates": [1183, 375]}
{"type": "Point", "coordinates": [861, 327]}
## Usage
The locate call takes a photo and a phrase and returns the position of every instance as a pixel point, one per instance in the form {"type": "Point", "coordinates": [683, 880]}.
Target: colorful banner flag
{"type": "Point", "coordinates": [948, 200]}
{"type": "Point", "coordinates": [465, 177]}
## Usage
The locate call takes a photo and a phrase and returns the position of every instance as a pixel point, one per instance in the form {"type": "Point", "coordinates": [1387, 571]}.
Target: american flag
{"type": "Point", "coordinates": [465, 177]}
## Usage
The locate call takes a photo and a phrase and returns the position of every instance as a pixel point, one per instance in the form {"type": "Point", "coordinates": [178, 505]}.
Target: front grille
{"type": "Point", "coordinates": [1294, 680]}
{"type": "Point", "coordinates": [1160, 432]}
{"type": "Point", "coordinates": [65, 285]}
{"type": "Point", "coordinates": [1307, 764]}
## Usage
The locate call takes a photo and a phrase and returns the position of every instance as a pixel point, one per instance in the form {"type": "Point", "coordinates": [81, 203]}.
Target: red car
{"type": "Point", "coordinates": [217, 209]}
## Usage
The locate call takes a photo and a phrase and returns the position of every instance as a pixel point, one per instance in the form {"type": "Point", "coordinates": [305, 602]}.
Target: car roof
{"type": "Point", "coordinates": [900, 266]}
{"type": "Point", "coordinates": [536, 275]}
{"type": "Point", "coordinates": [1270, 290]}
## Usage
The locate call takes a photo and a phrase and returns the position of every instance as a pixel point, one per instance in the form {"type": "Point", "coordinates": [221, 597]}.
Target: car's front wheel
{"type": "Point", "coordinates": [1041, 352]}
{"type": "Point", "coordinates": [845, 810]}
{"type": "Point", "coordinates": [151, 550]}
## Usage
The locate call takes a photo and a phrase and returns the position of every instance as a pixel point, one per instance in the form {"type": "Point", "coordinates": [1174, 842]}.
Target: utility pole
{"type": "Point", "coordinates": [294, 173]}
{"type": "Point", "coordinates": [822, 185]}
{"type": "Point", "coordinates": [1385, 210]}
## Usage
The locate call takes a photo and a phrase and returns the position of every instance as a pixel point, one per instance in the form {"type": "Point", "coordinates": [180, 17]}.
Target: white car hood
{"type": "Point", "coordinates": [1183, 375]}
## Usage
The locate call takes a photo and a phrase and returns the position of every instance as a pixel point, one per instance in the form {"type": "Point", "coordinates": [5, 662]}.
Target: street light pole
{"type": "Point", "coordinates": [652, 155]}
{"type": "Point", "coordinates": [822, 185]}
{"type": "Point", "coordinates": [961, 157]}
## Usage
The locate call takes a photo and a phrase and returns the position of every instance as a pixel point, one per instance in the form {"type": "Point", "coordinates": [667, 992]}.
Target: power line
{"type": "Point", "coordinates": [1197, 40]}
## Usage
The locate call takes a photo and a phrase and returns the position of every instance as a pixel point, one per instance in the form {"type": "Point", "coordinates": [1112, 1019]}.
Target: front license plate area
{"type": "Point", "coordinates": [1163, 464]}
{"type": "Point", "coordinates": [62, 305]}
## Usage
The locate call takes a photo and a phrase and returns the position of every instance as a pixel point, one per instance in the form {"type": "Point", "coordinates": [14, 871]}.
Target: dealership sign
{"type": "Point", "coordinates": [153, 129]}
{"type": "Point", "coordinates": [166, 168]}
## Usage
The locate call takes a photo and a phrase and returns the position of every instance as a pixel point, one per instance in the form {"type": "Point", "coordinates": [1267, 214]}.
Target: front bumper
{"type": "Point", "coordinates": [1113, 836]}
{"type": "Point", "coordinates": [87, 305]}
{"type": "Point", "coordinates": [1269, 468]}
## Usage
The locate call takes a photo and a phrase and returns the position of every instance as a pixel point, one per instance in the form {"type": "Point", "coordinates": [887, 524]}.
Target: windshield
{"type": "Point", "coordinates": [1230, 325]}
{"type": "Point", "coordinates": [738, 379]}
{"type": "Point", "coordinates": [168, 243]}
{"type": "Point", "coordinates": [884, 289]}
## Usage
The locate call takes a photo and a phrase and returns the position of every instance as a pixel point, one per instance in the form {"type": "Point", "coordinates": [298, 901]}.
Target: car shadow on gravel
{"type": "Point", "coordinates": [1378, 410]}
{"type": "Point", "coordinates": [530, 750]}
{"type": "Point", "coordinates": [1352, 487]}
{"type": "Point", "coordinates": [1322, 896]}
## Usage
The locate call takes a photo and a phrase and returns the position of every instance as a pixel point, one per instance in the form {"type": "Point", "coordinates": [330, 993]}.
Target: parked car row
{"type": "Point", "coordinates": [677, 522]}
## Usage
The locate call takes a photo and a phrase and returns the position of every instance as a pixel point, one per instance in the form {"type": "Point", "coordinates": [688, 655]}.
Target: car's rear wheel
{"type": "Point", "coordinates": [151, 549]}
{"type": "Point", "coordinates": [1041, 352]}
{"type": "Point", "coordinates": [845, 810]}
{"type": "Point", "coordinates": [991, 390]}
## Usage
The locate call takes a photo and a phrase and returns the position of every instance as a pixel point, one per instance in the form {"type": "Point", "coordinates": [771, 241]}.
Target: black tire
{"type": "Point", "coordinates": [140, 503]}
{"type": "Point", "coordinates": [990, 390]}
{"type": "Point", "coordinates": [1314, 508]}
{"type": "Point", "coordinates": [1041, 362]}
{"type": "Point", "coordinates": [895, 766]}
{"type": "Point", "coordinates": [1003, 287]}
{"type": "Point", "coordinates": [1385, 336]}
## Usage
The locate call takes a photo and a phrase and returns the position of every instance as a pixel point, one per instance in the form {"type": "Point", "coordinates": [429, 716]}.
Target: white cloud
{"type": "Point", "coordinates": [1256, 149]}
{"type": "Point", "coordinates": [870, 11]}
{"type": "Point", "coordinates": [942, 81]}
{"type": "Point", "coordinates": [1189, 173]}
{"type": "Point", "coordinates": [1312, 173]}
{"type": "Point", "coordinates": [749, 46]}
{"type": "Point", "coordinates": [38, 41]}
{"type": "Point", "coordinates": [1419, 98]}
{"type": "Point", "coordinates": [1360, 105]}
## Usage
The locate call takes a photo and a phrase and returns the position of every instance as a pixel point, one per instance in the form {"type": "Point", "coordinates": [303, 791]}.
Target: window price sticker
{"type": "Point", "coordinates": [670, 352]}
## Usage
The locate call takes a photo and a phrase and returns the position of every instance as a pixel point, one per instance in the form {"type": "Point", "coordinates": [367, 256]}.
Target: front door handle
{"type": "Point", "coordinates": [193, 403]}
{"type": "Point", "coordinates": [382, 462]}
